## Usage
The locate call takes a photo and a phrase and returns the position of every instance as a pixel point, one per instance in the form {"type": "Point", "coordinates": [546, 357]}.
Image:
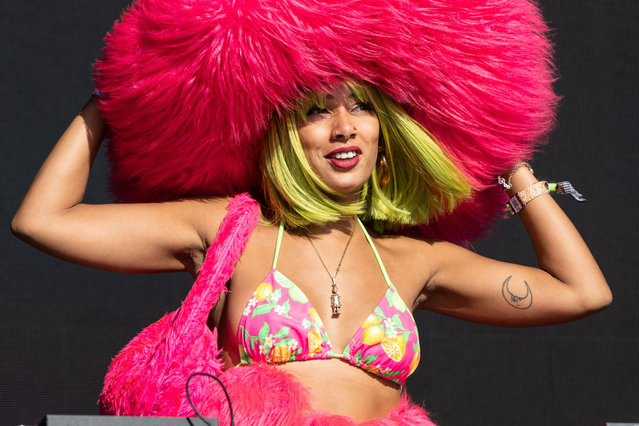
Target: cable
{"type": "Point", "coordinates": [228, 398]}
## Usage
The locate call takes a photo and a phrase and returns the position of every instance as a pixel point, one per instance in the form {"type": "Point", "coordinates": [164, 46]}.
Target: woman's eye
{"type": "Point", "coordinates": [361, 106]}
{"type": "Point", "coordinates": [316, 111]}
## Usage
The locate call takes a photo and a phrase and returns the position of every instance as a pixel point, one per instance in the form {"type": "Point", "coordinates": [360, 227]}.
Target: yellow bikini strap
{"type": "Point", "coordinates": [379, 259]}
{"type": "Point", "coordinates": [278, 243]}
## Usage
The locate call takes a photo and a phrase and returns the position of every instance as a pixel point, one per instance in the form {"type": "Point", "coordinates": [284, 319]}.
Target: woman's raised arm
{"type": "Point", "coordinates": [567, 285]}
{"type": "Point", "coordinates": [120, 237]}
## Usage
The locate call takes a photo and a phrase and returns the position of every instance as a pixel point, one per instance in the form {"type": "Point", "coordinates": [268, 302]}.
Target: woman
{"type": "Point", "coordinates": [310, 282]}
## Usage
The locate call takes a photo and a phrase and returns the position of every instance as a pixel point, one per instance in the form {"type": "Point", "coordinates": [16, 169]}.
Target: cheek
{"type": "Point", "coordinates": [374, 135]}
{"type": "Point", "coordinates": [313, 141]}
{"type": "Point", "coordinates": [369, 128]}
{"type": "Point", "coordinates": [308, 137]}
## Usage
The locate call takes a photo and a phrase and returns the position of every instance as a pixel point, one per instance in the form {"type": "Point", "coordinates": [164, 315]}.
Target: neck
{"type": "Point", "coordinates": [346, 225]}
{"type": "Point", "coordinates": [348, 197]}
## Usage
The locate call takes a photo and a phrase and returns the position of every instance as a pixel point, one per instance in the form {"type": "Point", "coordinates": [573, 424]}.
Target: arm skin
{"type": "Point", "coordinates": [150, 237]}
{"type": "Point", "coordinates": [567, 286]}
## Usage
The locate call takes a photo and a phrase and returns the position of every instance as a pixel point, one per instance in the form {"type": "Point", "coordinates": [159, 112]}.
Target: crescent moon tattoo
{"type": "Point", "coordinates": [519, 302]}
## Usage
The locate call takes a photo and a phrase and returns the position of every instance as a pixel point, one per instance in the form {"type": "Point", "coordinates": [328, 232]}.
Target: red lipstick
{"type": "Point", "coordinates": [347, 161]}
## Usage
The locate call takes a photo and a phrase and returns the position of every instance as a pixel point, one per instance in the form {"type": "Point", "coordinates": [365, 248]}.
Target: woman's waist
{"type": "Point", "coordinates": [335, 386]}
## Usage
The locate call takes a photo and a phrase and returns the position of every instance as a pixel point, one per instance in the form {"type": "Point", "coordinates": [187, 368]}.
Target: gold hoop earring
{"type": "Point", "coordinates": [383, 173]}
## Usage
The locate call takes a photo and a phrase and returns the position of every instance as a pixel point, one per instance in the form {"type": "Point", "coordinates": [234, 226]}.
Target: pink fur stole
{"type": "Point", "coordinates": [148, 377]}
{"type": "Point", "coordinates": [264, 395]}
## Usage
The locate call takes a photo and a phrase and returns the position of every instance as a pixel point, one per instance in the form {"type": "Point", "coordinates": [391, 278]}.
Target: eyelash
{"type": "Point", "coordinates": [365, 106]}
{"type": "Point", "coordinates": [360, 105]}
{"type": "Point", "coordinates": [316, 110]}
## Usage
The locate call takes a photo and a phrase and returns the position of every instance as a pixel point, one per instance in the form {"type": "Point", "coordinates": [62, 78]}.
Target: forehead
{"type": "Point", "coordinates": [350, 96]}
{"type": "Point", "coordinates": [341, 91]}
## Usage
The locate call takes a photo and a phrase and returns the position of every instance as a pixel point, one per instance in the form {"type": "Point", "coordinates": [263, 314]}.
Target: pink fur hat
{"type": "Point", "coordinates": [192, 84]}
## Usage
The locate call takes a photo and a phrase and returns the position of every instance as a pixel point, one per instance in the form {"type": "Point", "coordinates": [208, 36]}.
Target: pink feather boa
{"type": "Point", "coordinates": [148, 377]}
{"type": "Point", "coordinates": [191, 86]}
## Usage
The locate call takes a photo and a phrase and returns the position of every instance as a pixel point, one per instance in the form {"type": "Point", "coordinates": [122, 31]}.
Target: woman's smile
{"type": "Point", "coordinates": [345, 157]}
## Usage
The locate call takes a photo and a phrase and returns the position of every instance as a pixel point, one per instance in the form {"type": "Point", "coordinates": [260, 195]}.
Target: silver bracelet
{"type": "Point", "coordinates": [506, 183]}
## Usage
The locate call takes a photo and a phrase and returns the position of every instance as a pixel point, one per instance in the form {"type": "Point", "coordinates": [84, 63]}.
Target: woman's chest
{"type": "Point", "coordinates": [296, 290]}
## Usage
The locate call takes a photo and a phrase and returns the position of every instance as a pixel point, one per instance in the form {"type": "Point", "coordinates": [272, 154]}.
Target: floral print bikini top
{"type": "Point", "coordinates": [279, 324]}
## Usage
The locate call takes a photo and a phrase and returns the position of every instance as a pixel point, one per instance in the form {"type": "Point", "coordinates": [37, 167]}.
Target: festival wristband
{"type": "Point", "coordinates": [520, 199]}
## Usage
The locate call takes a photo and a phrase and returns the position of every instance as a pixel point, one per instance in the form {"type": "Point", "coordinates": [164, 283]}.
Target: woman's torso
{"type": "Point", "coordinates": [336, 385]}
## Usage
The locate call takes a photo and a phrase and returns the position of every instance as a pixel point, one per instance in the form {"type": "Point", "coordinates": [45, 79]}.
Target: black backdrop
{"type": "Point", "coordinates": [60, 323]}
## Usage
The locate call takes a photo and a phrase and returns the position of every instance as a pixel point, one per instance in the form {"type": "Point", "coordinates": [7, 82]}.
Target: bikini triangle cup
{"type": "Point", "coordinates": [279, 325]}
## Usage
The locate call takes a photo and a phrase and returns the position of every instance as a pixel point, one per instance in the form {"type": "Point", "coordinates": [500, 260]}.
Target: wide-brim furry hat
{"type": "Point", "coordinates": [191, 85]}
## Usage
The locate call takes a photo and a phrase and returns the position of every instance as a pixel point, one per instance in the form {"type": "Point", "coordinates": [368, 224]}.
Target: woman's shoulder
{"type": "Point", "coordinates": [402, 244]}
{"type": "Point", "coordinates": [409, 253]}
{"type": "Point", "coordinates": [220, 217]}
{"type": "Point", "coordinates": [407, 245]}
{"type": "Point", "coordinates": [210, 212]}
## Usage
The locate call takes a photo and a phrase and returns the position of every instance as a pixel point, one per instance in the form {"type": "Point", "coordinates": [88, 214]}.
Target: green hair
{"type": "Point", "coordinates": [424, 181]}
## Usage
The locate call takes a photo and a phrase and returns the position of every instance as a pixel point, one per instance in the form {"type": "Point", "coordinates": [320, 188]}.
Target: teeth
{"type": "Point", "coordinates": [345, 155]}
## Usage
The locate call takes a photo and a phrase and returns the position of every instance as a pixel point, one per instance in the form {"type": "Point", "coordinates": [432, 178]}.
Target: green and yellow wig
{"type": "Point", "coordinates": [424, 181]}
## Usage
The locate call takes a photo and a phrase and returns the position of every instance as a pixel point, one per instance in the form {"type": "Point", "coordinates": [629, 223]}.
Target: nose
{"type": "Point", "coordinates": [343, 125]}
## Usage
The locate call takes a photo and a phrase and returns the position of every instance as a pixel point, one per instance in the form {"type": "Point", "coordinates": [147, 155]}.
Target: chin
{"type": "Point", "coordinates": [347, 189]}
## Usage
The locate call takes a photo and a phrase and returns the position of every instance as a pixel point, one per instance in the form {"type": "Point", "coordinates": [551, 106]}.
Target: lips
{"type": "Point", "coordinates": [345, 157]}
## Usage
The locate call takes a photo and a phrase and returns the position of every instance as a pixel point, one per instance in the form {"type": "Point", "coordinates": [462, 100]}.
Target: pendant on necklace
{"type": "Point", "coordinates": [336, 303]}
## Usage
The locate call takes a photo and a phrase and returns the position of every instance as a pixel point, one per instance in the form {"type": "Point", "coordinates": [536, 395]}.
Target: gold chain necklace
{"type": "Point", "coordinates": [336, 303]}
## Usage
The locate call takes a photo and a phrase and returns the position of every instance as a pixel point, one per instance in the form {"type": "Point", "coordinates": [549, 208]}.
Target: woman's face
{"type": "Point", "coordinates": [340, 141]}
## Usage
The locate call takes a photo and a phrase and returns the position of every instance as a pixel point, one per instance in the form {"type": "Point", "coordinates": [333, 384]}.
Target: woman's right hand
{"type": "Point", "coordinates": [148, 237]}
